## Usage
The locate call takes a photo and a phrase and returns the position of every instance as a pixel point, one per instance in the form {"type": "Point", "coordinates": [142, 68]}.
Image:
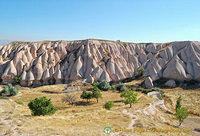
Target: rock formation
{"type": "Point", "coordinates": [50, 62]}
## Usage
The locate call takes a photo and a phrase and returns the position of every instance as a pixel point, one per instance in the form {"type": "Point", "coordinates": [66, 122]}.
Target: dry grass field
{"type": "Point", "coordinates": [91, 119]}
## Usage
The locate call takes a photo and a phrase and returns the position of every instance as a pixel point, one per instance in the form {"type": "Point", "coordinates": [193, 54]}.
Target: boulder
{"type": "Point", "coordinates": [170, 83]}
{"type": "Point", "coordinates": [148, 83]}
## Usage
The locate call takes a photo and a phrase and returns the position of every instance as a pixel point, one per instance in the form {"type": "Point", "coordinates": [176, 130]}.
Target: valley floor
{"type": "Point", "coordinates": [86, 120]}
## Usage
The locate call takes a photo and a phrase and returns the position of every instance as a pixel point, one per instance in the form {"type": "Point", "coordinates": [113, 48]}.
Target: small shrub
{"type": "Point", "coordinates": [86, 95]}
{"type": "Point", "coordinates": [17, 80]}
{"type": "Point", "coordinates": [19, 102]}
{"type": "Point", "coordinates": [104, 85]}
{"type": "Point", "coordinates": [156, 89]}
{"type": "Point", "coordinates": [113, 87]}
{"type": "Point", "coordinates": [140, 71]}
{"type": "Point", "coordinates": [108, 105]}
{"type": "Point", "coordinates": [134, 89]}
{"type": "Point", "coordinates": [28, 69]}
{"type": "Point", "coordinates": [71, 99]}
{"type": "Point", "coordinates": [41, 106]}
{"type": "Point", "coordinates": [146, 91]}
{"type": "Point", "coordinates": [9, 90]}
{"type": "Point", "coordinates": [121, 87]}
{"type": "Point", "coordinates": [129, 79]}
{"type": "Point", "coordinates": [95, 84]}
{"type": "Point", "coordinates": [139, 89]}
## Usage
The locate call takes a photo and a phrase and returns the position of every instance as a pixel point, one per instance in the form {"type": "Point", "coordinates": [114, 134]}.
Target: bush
{"type": "Point", "coordinates": [17, 80]}
{"type": "Point", "coordinates": [86, 95]}
{"type": "Point", "coordinates": [108, 105]}
{"type": "Point", "coordinates": [104, 85]}
{"type": "Point", "coordinates": [113, 87]}
{"type": "Point", "coordinates": [156, 89]}
{"type": "Point", "coordinates": [41, 106]}
{"type": "Point", "coordinates": [121, 87]}
{"type": "Point", "coordinates": [140, 71]}
{"type": "Point", "coordinates": [146, 91]}
{"type": "Point", "coordinates": [95, 84]}
{"type": "Point", "coordinates": [9, 90]}
{"type": "Point", "coordinates": [71, 99]}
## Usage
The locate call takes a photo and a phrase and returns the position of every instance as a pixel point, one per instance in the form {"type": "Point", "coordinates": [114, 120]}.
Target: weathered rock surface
{"type": "Point", "coordinates": [50, 62]}
{"type": "Point", "coordinates": [148, 83]}
{"type": "Point", "coordinates": [170, 83]}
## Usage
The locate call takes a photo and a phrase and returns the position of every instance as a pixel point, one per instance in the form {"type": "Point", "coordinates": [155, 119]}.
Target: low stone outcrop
{"type": "Point", "coordinates": [170, 83]}
{"type": "Point", "coordinates": [148, 83]}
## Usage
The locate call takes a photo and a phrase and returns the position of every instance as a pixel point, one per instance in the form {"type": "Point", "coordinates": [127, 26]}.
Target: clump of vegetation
{"type": "Point", "coordinates": [140, 72]}
{"type": "Point", "coordinates": [129, 79]}
{"type": "Point", "coordinates": [41, 106]}
{"type": "Point", "coordinates": [17, 80]}
{"type": "Point", "coordinates": [9, 90]}
{"type": "Point", "coordinates": [145, 91]}
{"type": "Point", "coordinates": [104, 85]}
{"type": "Point", "coordinates": [130, 97]}
{"type": "Point", "coordinates": [71, 99]}
{"type": "Point", "coordinates": [74, 59]}
{"type": "Point", "coordinates": [108, 105]}
{"type": "Point", "coordinates": [19, 102]}
{"type": "Point", "coordinates": [95, 84]}
{"type": "Point", "coordinates": [181, 114]}
{"type": "Point", "coordinates": [121, 87]}
{"type": "Point", "coordinates": [86, 95]}
{"type": "Point", "coordinates": [178, 103]}
{"type": "Point", "coordinates": [96, 93]}
{"type": "Point", "coordinates": [156, 89]}
{"type": "Point", "coordinates": [28, 69]}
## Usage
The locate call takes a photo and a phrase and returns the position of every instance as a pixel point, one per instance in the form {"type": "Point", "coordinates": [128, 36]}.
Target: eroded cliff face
{"type": "Point", "coordinates": [43, 63]}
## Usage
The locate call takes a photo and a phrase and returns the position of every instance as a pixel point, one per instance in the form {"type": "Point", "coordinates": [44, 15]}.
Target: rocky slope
{"type": "Point", "coordinates": [49, 62]}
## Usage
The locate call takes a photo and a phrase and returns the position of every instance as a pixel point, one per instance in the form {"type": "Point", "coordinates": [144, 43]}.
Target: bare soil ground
{"type": "Point", "coordinates": [91, 119]}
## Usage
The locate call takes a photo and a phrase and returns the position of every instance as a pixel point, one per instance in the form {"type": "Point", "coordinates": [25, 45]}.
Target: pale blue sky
{"type": "Point", "coordinates": [125, 20]}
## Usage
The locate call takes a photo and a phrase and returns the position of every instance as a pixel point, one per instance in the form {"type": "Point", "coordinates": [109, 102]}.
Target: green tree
{"type": "Point", "coordinates": [86, 95]}
{"type": "Point", "coordinates": [41, 106]}
{"type": "Point", "coordinates": [9, 90]}
{"type": "Point", "coordinates": [181, 114]}
{"type": "Point", "coordinates": [108, 105]}
{"type": "Point", "coordinates": [130, 97]}
{"type": "Point", "coordinates": [178, 103]}
{"type": "Point", "coordinates": [104, 85]}
{"type": "Point", "coordinates": [96, 93]}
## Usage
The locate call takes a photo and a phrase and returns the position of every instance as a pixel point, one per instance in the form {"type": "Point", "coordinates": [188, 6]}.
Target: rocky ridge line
{"type": "Point", "coordinates": [50, 62]}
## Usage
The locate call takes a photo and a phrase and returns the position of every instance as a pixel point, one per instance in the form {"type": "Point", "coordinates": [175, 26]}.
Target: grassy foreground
{"type": "Point", "coordinates": [88, 119]}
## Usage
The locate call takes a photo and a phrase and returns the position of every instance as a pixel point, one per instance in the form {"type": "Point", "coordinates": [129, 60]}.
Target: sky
{"type": "Point", "coordinates": [124, 20]}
